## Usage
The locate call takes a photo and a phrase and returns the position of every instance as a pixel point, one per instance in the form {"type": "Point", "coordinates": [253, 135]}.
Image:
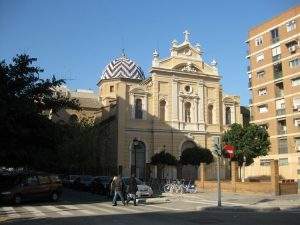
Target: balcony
{"type": "Point", "coordinates": [281, 131]}
{"type": "Point", "coordinates": [275, 40]}
{"type": "Point", "coordinates": [276, 57]}
{"type": "Point", "coordinates": [280, 112]}
{"type": "Point", "coordinates": [277, 75]}
{"type": "Point", "coordinates": [279, 93]}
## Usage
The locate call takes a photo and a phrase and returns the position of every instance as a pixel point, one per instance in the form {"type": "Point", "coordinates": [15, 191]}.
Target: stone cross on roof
{"type": "Point", "coordinates": [186, 36]}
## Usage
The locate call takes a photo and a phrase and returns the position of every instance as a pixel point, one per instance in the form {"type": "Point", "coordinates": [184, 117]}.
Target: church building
{"type": "Point", "coordinates": [180, 104]}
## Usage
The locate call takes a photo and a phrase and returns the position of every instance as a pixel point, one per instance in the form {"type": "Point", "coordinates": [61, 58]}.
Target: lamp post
{"type": "Point", "coordinates": [135, 144]}
{"type": "Point", "coordinates": [218, 152]}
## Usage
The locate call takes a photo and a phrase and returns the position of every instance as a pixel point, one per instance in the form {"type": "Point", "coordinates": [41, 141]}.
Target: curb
{"type": "Point", "coordinates": [241, 209]}
{"type": "Point", "coordinates": [153, 200]}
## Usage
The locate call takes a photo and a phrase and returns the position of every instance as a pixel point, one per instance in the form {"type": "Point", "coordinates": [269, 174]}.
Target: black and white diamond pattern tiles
{"type": "Point", "coordinates": [123, 68]}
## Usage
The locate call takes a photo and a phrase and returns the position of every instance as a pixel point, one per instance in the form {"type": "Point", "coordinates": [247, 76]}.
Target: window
{"type": "Point", "coordinates": [292, 46]}
{"type": "Point", "coordinates": [260, 57]}
{"type": "Point", "coordinates": [260, 74]}
{"type": "Point", "coordinates": [188, 88]}
{"type": "Point", "coordinates": [111, 88]}
{"type": "Point", "coordinates": [296, 103]}
{"type": "Point", "coordinates": [276, 53]}
{"type": "Point", "coordinates": [277, 70]}
{"type": "Point", "coordinates": [297, 144]}
{"type": "Point", "coordinates": [138, 109]}
{"type": "Point", "coordinates": [274, 35]}
{"type": "Point", "coordinates": [265, 162]}
{"type": "Point", "coordinates": [262, 91]}
{"type": "Point", "coordinates": [44, 179]}
{"type": "Point", "coordinates": [294, 63]}
{"type": "Point", "coordinates": [291, 25]}
{"type": "Point", "coordinates": [258, 41]}
{"type": "Point", "coordinates": [282, 146]}
{"type": "Point", "coordinates": [296, 81]}
{"type": "Point", "coordinates": [228, 116]}
{"type": "Point", "coordinates": [162, 110]}
{"type": "Point", "coordinates": [297, 122]}
{"type": "Point", "coordinates": [210, 114]}
{"type": "Point", "coordinates": [283, 161]}
{"type": "Point", "coordinates": [263, 108]}
{"type": "Point", "coordinates": [32, 180]}
{"type": "Point", "coordinates": [187, 112]}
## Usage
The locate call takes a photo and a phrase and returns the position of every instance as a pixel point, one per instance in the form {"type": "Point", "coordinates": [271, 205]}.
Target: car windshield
{"type": "Point", "coordinates": [126, 181]}
{"type": "Point", "coordinates": [104, 179]}
{"type": "Point", "coordinates": [87, 178]}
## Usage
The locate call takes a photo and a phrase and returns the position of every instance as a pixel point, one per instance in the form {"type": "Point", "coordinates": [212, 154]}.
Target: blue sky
{"type": "Point", "coordinates": [76, 39]}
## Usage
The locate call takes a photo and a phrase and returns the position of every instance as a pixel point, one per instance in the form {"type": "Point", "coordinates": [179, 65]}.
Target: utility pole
{"type": "Point", "coordinates": [218, 151]}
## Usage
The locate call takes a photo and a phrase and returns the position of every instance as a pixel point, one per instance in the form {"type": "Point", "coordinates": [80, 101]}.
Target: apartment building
{"type": "Point", "coordinates": [274, 85]}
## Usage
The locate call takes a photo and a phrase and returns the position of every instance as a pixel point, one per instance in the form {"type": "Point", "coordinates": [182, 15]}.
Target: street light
{"type": "Point", "coordinates": [218, 151]}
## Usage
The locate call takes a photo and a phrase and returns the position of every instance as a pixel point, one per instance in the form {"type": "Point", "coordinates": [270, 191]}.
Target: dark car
{"type": "Point", "coordinates": [22, 187]}
{"type": "Point", "coordinates": [100, 185]}
{"type": "Point", "coordinates": [83, 183]}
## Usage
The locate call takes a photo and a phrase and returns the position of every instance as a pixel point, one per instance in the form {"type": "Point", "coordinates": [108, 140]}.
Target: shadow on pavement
{"type": "Point", "coordinates": [211, 215]}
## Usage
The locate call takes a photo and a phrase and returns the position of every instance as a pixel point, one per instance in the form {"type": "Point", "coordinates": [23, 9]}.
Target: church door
{"type": "Point", "coordinates": [138, 159]}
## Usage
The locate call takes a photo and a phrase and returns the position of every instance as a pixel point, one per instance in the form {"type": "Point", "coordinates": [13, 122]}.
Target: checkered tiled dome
{"type": "Point", "coordinates": [123, 67]}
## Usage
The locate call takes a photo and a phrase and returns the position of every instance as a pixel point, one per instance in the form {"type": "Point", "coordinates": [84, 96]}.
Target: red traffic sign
{"type": "Point", "coordinates": [229, 149]}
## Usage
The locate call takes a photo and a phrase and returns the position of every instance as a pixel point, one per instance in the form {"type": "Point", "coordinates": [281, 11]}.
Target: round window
{"type": "Point", "coordinates": [188, 88]}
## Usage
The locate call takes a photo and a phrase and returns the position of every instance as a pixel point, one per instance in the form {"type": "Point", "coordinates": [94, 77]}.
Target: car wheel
{"type": "Point", "coordinates": [54, 196]}
{"type": "Point", "coordinates": [17, 199]}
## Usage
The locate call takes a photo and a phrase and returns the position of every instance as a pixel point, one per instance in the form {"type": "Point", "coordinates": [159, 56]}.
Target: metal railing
{"type": "Point", "coordinates": [275, 40]}
{"type": "Point", "coordinates": [281, 131]}
{"type": "Point", "coordinates": [276, 57]}
{"type": "Point", "coordinates": [279, 93]}
{"type": "Point", "coordinates": [277, 75]}
{"type": "Point", "coordinates": [280, 112]}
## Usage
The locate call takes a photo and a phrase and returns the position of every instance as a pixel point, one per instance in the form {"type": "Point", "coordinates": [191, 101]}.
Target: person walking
{"type": "Point", "coordinates": [132, 189]}
{"type": "Point", "coordinates": [117, 187]}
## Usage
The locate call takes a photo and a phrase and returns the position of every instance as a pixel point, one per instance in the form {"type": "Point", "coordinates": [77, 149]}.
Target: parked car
{"type": "Point", "coordinates": [100, 185]}
{"type": "Point", "coordinates": [143, 189]}
{"type": "Point", "coordinates": [68, 180]}
{"type": "Point", "coordinates": [83, 183]}
{"type": "Point", "coordinates": [29, 186]}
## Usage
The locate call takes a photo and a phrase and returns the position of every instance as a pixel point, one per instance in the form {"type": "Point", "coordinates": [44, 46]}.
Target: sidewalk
{"type": "Point", "coordinates": [239, 200]}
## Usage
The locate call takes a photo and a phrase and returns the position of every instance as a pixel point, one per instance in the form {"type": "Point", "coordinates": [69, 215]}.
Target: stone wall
{"type": "Point", "coordinates": [234, 185]}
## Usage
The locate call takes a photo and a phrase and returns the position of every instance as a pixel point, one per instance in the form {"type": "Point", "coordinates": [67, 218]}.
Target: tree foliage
{"type": "Point", "coordinates": [163, 158]}
{"type": "Point", "coordinates": [27, 136]}
{"type": "Point", "coordinates": [250, 141]}
{"type": "Point", "coordinates": [195, 156]}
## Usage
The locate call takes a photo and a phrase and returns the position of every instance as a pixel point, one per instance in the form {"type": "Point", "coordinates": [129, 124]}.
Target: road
{"type": "Point", "coordinates": [79, 208]}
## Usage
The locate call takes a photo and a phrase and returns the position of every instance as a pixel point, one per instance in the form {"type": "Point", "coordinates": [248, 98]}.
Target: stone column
{"type": "Point", "coordinates": [201, 103]}
{"type": "Point", "coordinates": [275, 177]}
{"type": "Point", "coordinates": [234, 174]}
{"type": "Point", "coordinates": [174, 115]}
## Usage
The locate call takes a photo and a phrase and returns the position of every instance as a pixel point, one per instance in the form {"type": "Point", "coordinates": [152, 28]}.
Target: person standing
{"type": "Point", "coordinates": [132, 189]}
{"type": "Point", "coordinates": [117, 187]}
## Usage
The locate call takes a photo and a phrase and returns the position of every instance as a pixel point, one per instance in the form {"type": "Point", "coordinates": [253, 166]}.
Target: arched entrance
{"type": "Point", "coordinates": [189, 172]}
{"type": "Point", "coordinates": [138, 159]}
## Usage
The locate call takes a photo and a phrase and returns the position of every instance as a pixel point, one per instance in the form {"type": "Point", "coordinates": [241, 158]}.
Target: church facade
{"type": "Point", "coordinates": [180, 104]}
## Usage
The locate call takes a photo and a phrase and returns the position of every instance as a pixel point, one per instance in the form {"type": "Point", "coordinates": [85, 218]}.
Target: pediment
{"type": "Point", "coordinates": [138, 91]}
{"type": "Point", "coordinates": [187, 67]}
{"type": "Point", "coordinates": [187, 51]}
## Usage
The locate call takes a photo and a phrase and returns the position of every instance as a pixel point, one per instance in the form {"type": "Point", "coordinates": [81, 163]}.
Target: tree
{"type": "Point", "coordinates": [28, 137]}
{"type": "Point", "coordinates": [196, 155]}
{"type": "Point", "coordinates": [162, 159]}
{"type": "Point", "coordinates": [250, 141]}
